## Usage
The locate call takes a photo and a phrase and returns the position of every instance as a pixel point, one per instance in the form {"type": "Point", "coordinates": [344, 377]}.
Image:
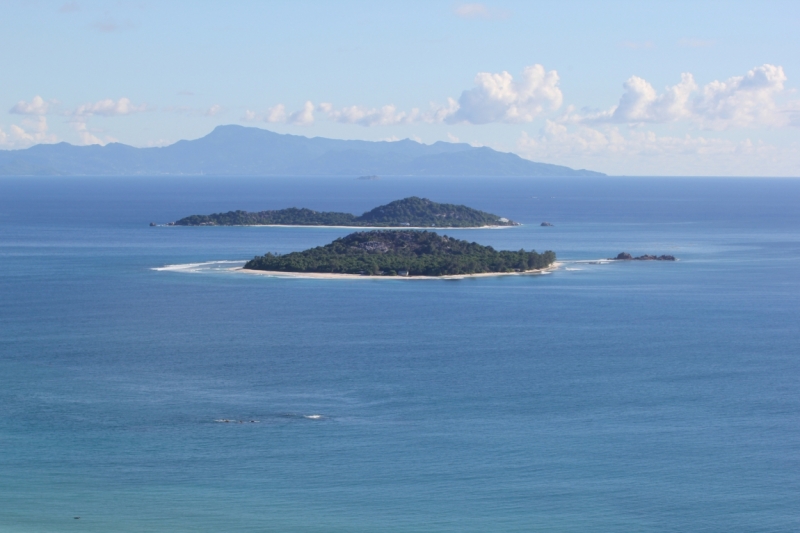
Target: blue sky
{"type": "Point", "coordinates": [637, 88]}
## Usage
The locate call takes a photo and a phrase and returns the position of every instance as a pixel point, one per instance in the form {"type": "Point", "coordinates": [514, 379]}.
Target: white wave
{"type": "Point", "coordinates": [591, 261]}
{"type": "Point", "coordinates": [313, 417]}
{"type": "Point", "coordinates": [196, 267]}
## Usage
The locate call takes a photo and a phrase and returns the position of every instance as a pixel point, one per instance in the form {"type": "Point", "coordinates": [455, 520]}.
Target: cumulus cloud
{"type": "Point", "coordinates": [608, 148]}
{"type": "Point", "coordinates": [495, 98]}
{"type": "Point", "coordinates": [32, 131]}
{"type": "Point", "coordinates": [109, 108]}
{"type": "Point", "coordinates": [641, 103]}
{"type": "Point", "coordinates": [743, 100]}
{"type": "Point", "coordinates": [215, 109]}
{"type": "Point", "coordinates": [304, 117]}
{"type": "Point", "coordinates": [278, 115]}
{"type": "Point", "coordinates": [84, 135]}
{"type": "Point", "coordinates": [387, 115]}
{"type": "Point", "coordinates": [499, 98]}
{"type": "Point", "coordinates": [275, 114]}
{"type": "Point", "coordinates": [740, 101]}
{"type": "Point", "coordinates": [37, 106]}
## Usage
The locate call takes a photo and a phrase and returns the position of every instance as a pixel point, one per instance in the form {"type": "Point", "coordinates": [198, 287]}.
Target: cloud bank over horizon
{"type": "Point", "coordinates": [755, 100]}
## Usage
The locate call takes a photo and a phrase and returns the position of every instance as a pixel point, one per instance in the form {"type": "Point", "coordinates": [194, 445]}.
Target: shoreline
{"type": "Point", "coordinates": [326, 275]}
{"type": "Point", "coordinates": [337, 227]}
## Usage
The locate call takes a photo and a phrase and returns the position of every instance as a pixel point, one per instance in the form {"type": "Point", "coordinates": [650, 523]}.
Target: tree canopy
{"type": "Point", "coordinates": [413, 211]}
{"type": "Point", "coordinates": [404, 252]}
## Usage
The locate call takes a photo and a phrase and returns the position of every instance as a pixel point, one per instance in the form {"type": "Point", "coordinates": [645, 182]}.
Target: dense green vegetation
{"type": "Point", "coordinates": [392, 252]}
{"type": "Point", "coordinates": [288, 217]}
{"type": "Point", "coordinates": [418, 212]}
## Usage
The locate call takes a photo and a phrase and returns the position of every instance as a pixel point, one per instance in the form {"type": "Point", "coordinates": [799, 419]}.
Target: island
{"type": "Point", "coordinates": [408, 212]}
{"type": "Point", "coordinates": [403, 253]}
{"type": "Point", "coordinates": [623, 256]}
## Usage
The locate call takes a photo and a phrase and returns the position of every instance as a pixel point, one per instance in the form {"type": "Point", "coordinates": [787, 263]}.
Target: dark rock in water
{"type": "Point", "coordinates": [546, 224]}
{"type": "Point", "coordinates": [623, 256]}
{"type": "Point", "coordinates": [153, 224]}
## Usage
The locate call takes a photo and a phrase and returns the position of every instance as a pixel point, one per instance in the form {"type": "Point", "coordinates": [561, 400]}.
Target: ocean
{"type": "Point", "coordinates": [603, 397]}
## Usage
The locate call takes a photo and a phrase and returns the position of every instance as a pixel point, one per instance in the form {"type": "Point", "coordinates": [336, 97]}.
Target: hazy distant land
{"type": "Point", "coordinates": [239, 151]}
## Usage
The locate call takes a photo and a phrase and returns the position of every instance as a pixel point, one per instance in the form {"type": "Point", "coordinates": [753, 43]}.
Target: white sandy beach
{"type": "Point", "coordinates": [349, 227]}
{"type": "Point", "coordinates": [318, 275]}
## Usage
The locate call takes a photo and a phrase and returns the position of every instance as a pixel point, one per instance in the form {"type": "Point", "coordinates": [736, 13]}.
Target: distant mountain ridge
{"type": "Point", "coordinates": [241, 151]}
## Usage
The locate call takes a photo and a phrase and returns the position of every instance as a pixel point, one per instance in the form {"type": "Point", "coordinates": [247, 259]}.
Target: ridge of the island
{"type": "Point", "coordinates": [403, 253]}
{"type": "Point", "coordinates": [408, 212]}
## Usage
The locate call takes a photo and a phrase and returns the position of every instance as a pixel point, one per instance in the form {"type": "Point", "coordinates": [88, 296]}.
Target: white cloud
{"type": "Point", "coordinates": [452, 138]}
{"type": "Point", "coordinates": [277, 115]}
{"type": "Point", "coordinates": [109, 108]}
{"type": "Point", "coordinates": [37, 106]}
{"type": "Point", "coordinates": [87, 137]}
{"type": "Point", "coordinates": [213, 110]}
{"type": "Point", "coordinates": [441, 113]}
{"type": "Point", "coordinates": [641, 103]}
{"type": "Point", "coordinates": [384, 116]}
{"type": "Point", "coordinates": [495, 98]}
{"type": "Point", "coordinates": [642, 152]}
{"type": "Point", "coordinates": [498, 98]}
{"type": "Point", "coordinates": [304, 117]}
{"type": "Point", "coordinates": [741, 101]}
{"type": "Point", "coordinates": [32, 131]}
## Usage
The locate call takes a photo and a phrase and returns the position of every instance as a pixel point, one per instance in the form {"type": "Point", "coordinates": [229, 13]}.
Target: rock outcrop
{"type": "Point", "coordinates": [624, 256]}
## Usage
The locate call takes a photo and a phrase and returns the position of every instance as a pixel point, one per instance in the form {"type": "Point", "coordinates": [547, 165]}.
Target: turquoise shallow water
{"type": "Point", "coordinates": [602, 397]}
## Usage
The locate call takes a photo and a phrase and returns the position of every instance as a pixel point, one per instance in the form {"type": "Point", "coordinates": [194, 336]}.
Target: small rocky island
{"type": "Point", "coordinates": [403, 253]}
{"type": "Point", "coordinates": [408, 212]}
{"type": "Point", "coordinates": [623, 256]}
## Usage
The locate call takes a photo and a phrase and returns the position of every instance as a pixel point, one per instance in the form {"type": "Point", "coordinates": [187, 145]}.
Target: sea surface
{"type": "Point", "coordinates": [604, 397]}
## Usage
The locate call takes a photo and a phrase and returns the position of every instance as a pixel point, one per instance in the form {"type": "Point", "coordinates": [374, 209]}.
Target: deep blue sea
{"type": "Point", "coordinates": [616, 397]}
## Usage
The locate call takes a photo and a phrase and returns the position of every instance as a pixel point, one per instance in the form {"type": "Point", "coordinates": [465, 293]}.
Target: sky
{"type": "Point", "coordinates": [628, 88]}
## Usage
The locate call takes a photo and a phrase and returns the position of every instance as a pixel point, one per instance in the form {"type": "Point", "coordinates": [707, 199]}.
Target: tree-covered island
{"type": "Point", "coordinates": [404, 253]}
{"type": "Point", "coordinates": [413, 212]}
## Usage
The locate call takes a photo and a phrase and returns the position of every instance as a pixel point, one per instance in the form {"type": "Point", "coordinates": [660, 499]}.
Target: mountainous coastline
{"type": "Point", "coordinates": [241, 151]}
{"type": "Point", "coordinates": [413, 211]}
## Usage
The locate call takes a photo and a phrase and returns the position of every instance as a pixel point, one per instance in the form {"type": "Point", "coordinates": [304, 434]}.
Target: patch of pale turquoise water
{"type": "Point", "coordinates": [602, 397]}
